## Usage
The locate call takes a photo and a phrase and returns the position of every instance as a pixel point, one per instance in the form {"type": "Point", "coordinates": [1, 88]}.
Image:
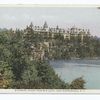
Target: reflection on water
{"type": "Point", "coordinates": [69, 70]}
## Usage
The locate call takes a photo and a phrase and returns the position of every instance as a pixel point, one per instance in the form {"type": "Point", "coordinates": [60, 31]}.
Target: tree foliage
{"type": "Point", "coordinates": [20, 58]}
{"type": "Point", "coordinates": [77, 83]}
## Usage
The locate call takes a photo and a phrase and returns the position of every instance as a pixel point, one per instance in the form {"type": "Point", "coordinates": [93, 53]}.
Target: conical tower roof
{"type": "Point", "coordinates": [45, 25]}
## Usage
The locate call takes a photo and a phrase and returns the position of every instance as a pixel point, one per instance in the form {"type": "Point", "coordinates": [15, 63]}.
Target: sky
{"type": "Point", "coordinates": [64, 17]}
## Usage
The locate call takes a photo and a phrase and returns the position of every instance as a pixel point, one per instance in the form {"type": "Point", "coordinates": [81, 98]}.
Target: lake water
{"type": "Point", "coordinates": [72, 69]}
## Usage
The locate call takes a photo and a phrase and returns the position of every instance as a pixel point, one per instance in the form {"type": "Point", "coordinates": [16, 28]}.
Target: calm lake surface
{"type": "Point", "coordinates": [71, 69]}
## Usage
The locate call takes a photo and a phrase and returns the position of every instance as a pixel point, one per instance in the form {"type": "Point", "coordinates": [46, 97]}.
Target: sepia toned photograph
{"type": "Point", "coordinates": [50, 47]}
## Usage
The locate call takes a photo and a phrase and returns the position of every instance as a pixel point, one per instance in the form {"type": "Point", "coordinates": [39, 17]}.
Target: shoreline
{"type": "Point", "coordinates": [94, 58]}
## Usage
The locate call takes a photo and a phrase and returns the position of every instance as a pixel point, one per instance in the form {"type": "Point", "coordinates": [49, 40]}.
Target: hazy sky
{"type": "Point", "coordinates": [64, 17]}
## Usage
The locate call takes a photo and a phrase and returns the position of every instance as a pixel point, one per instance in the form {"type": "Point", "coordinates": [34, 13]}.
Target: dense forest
{"type": "Point", "coordinates": [52, 45]}
{"type": "Point", "coordinates": [24, 57]}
